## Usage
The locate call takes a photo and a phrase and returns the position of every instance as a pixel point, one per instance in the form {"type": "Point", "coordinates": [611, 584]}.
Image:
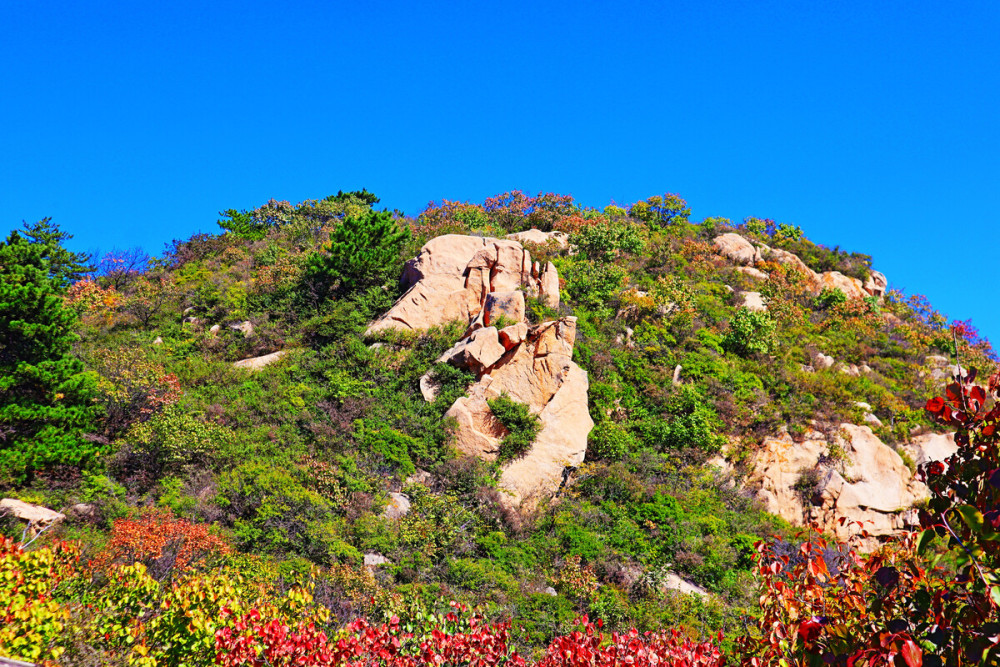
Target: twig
{"type": "Point", "coordinates": [37, 535]}
{"type": "Point", "coordinates": [982, 575]}
{"type": "Point", "coordinates": [958, 370]}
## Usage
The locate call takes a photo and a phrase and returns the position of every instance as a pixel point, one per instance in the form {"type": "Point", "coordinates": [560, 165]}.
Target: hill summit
{"type": "Point", "coordinates": [536, 407]}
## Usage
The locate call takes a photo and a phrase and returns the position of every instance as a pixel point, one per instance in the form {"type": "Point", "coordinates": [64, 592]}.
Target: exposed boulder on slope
{"type": "Point", "coordinates": [453, 275]}
{"type": "Point", "coordinates": [482, 282]}
{"type": "Point", "coordinates": [853, 475]}
{"type": "Point", "coordinates": [931, 447]}
{"type": "Point", "coordinates": [876, 284]}
{"type": "Point", "coordinates": [852, 287]}
{"type": "Point", "coordinates": [36, 517]}
{"type": "Point", "coordinates": [539, 372]}
{"type": "Point", "coordinates": [736, 249]}
{"type": "Point", "coordinates": [746, 255]}
{"type": "Point", "coordinates": [257, 363]}
{"type": "Point", "coordinates": [753, 301]}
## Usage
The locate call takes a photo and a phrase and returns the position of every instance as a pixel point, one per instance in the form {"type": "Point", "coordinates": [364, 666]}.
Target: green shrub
{"type": "Point", "coordinates": [603, 242]}
{"type": "Point", "coordinates": [594, 284]}
{"type": "Point", "coordinates": [829, 298]}
{"type": "Point", "coordinates": [661, 211]}
{"type": "Point", "coordinates": [523, 427]}
{"type": "Point", "coordinates": [750, 333]}
{"type": "Point", "coordinates": [174, 439]}
{"type": "Point", "coordinates": [609, 441]}
{"type": "Point", "coordinates": [690, 422]}
{"type": "Point", "coordinates": [271, 509]}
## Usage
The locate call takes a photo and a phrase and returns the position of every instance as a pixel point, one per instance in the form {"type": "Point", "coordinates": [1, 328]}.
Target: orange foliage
{"type": "Point", "coordinates": [155, 534]}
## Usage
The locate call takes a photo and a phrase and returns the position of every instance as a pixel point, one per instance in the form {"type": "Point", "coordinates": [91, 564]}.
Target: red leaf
{"type": "Point", "coordinates": [912, 654]}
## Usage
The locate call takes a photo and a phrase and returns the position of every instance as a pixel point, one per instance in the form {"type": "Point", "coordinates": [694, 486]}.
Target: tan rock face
{"type": "Point", "coordinates": [868, 483]}
{"type": "Point", "coordinates": [852, 287]}
{"type": "Point", "coordinates": [753, 301]}
{"type": "Point", "coordinates": [538, 371]}
{"type": "Point", "coordinates": [257, 363]}
{"type": "Point", "coordinates": [509, 305]}
{"type": "Point", "coordinates": [931, 447]}
{"type": "Point", "coordinates": [736, 249]}
{"type": "Point", "coordinates": [740, 251]}
{"type": "Point", "coordinates": [483, 282]}
{"type": "Point", "coordinates": [752, 273]}
{"type": "Point", "coordinates": [453, 275]}
{"type": "Point", "coordinates": [477, 352]}
{"type": "Point", "coordinates": [876, 284]}
{"type": "Point", "coordinates": [37, 517]}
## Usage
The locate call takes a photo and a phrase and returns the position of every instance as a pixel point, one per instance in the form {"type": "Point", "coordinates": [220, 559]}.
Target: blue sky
{"type": "Point", "coordinates": [873, 126]}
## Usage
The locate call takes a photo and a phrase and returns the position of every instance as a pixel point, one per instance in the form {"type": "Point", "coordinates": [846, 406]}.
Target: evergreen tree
{"type": "Point", "coordinates": [363, 252]}
{"type": "Point", "coordinates": [45, 396]}
{"type": "Point", "coordinates": [65, 267]}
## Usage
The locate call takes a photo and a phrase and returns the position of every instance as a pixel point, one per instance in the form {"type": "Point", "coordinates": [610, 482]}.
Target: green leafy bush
{"type": "Point", "coordinates": [523, 427]}
{"type": "Point", "coordinates": [272, 509]}
{"type": "Point", "coordinates": [174, 439]}
{"type": "Point", "coordinates": [605, 241]}
{"type": "Point", "coordinates": [750, 333]}
{"type": "Point", "coordinates": [830, 297]}
{"type": "Point", "coordinates": [609, 441]}
{"type": "Point", "coordinates": [594, 284]}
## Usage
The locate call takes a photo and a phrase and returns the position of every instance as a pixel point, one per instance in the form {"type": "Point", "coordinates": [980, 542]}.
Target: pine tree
{"type": "Point", "coordinates": [45, 396]}
{"type": "Point", "coordinates": [363, 252]}
{"type": "Point", "coordinates": [65, 267]}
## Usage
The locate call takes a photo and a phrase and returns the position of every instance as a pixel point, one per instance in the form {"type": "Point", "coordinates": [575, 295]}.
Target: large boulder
{"type": "Point", "coordinates": [753, 301]}
{"type": "Point", "coordinates": [36, 517]}
{"type": "Point", "coordinates": [852, 287]}
{"type": "Point", "coordinates": [876, 284]}
{"type": "Point", "coordinates": [930, 447]}
{"type": "Point", "coordinates": [257, 363]}
{"type": "Point", "coordinates": [779, 256]}
{"type": "Point", "coordinates": [736, 249]}
{"type": "Point", "coordinates": [538, 371]}
{"type": "Point", "coordinates": [482, 282]}
{"type": "Point", "coordinates": [452, 276]}
{"type": "Point", "coordinates": [864, 480]}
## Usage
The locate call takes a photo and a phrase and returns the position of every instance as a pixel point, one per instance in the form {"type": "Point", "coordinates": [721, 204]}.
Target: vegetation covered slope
{"type": "Point", "coordinates": [291, 465]}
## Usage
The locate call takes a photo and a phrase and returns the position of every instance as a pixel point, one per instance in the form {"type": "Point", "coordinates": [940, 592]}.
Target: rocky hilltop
{"type": "Point", "coordinates": [529, 406]}
{"type": "Point", "coordinates": [817, 478]}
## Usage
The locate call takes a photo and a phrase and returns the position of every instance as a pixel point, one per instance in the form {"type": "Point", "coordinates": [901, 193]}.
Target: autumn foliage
{"type": "Point", "coordinates": [589, 647]}
{"type": "Point", "coordinates": [157, 535]}
{"type": "Point", "coordinates": [899, 605]}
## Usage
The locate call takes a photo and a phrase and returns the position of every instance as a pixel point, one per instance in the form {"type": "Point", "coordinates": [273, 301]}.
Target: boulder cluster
{"type": "Point", "coordinates": [750, 258]}
{"type": "Point", "coordinates": [850, 474]}
{"type": "Point", "coordinates": [483, 282]}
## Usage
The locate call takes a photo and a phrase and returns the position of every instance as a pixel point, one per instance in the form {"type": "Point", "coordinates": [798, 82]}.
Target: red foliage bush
{"type": "Point", "coordinates": [157, 538]}
{"type": "Point", "coordinates": [590, 648]}
{"type": "Point", "coordinates": [253, 641]}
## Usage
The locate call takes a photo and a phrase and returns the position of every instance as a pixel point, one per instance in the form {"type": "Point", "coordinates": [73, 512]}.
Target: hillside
{"type": "Point", "coordinates": [528, 406]}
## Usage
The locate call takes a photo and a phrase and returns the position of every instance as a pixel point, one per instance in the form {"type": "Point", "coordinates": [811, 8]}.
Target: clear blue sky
{"type": "Point", "coordinates": [873, 125]}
